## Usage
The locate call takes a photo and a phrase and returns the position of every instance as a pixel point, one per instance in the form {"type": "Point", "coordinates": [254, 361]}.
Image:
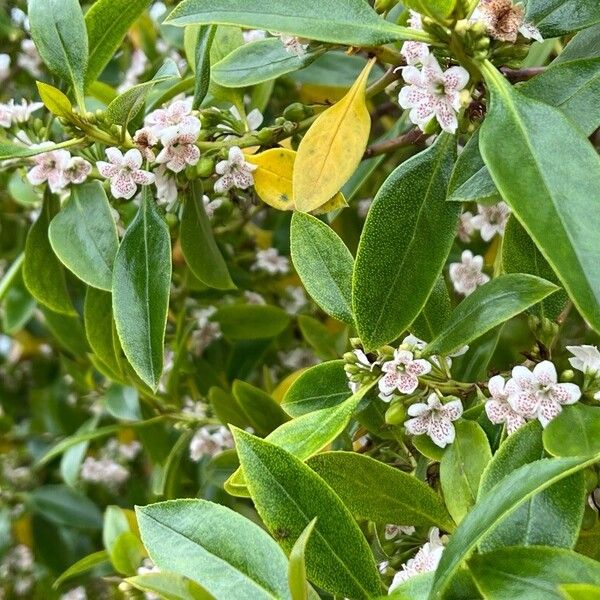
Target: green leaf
{"type": "Point", "coordinates": [91, 561]}
{"type": "Point", "coordinates": [435, 313]}
{"type": "Point", "coordinates": [288, 496]}
{"type": "Point", "coordinates": [436, 9]}
{"type": "Point", "coordinates": [58, 30]}
{"type": "Point", "coordinates": [195, 538]}
{"type": "Point", "coordinates": [141, 286]}
{"type": "Point", "coordinates": [352, 22]}
{"type": "Point", "coordinates": [128, 104]}
{"type": "Point", "coordinates": [563, 231]}
{"type": "Point", "coordinates": [327, 344]}
{"type": "Point", "coordinates": [571, 86]}
{"type": "Point", "coordinates": [258, 61]}
{"type": "Point", "coordinates": [489, 305]}
{"type": "Point", "coordinates": [586, 44]}
{"type": "Point", "coordinates": [299, 587]}
{"type": "Point", "coordinates": [99, 327]}
{"type": "Point", "coordinates": [84, 236]}
{"type": "Point", "coordinates": [574, 432]}
{"type": "Point", "coordinates": [202, 71]}
{"type": "Point", "coordinates": [306, 435]}
{"type": "Point", "coordinates": [500, 502]}
{"type": "Point", "coordinates": [462, 587]}
{"type": "Point", "coordinates": [198, 244]}
{"type": "Point", "coordinates": [262, 412]}
{"type": "Point", "coordinates": [404, 244]}
{"type": "Point", "coordinates": [521, 255]}
{"type": "Point", "coordinates": [54, 100]}
{"type": "Point", "coordinates": [71, 460]}
{"type": "Point", "coordinates": [251, 321]}
{"type": "Point", "coordinates": [9, 150]}
{"type": "Point", "coordinates": [399, 497]}
{"type": "Point", "coordinates": [169, 586]}
{"type": "Point", "coordinates": [122, 402]}
{"type": "Point", "coordinates": [461, 467]}
{"type": "Point", "coordinates": [324, 265]}
{"type": "Point", "coordinates": [107, 22]}
{"type": "Point", "coordinates": [68, 331]}
{"type": "Point", "coordinates": [558, 17]}
{"type": "Point", "coordinates": [552, 517]}
{"type": "Point", "coordinates": [322, 386]}
{"type": "Point", "coordinates": [63, 506]}
{"type": "Point", "coordinates": [115, 523]}
{"type": "Point", "coordinates": [43, 273]}
{"type": "Point", "coordinates": [127, 553]}
{"type": "Point", "coordinates": [532, 573]}
{"type": "Point", "coordinates": [579, 591]}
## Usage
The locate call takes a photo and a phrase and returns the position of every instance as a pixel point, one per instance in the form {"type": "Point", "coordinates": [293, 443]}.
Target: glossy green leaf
{"type": "Point", "coordinates": [500, 502]}
{"type": "Point", "coordinates": [400, 497]}
{"type": "Point", "coordinates": [435, 313]}
{"type": "Point", "coordinates": [58, 30]}
{"type": "Point", "coordinates": [563, 231]}
{"type": "Point", "coordinates": [262, 412]}
{"type": "Point", "coordinates": [324, 264]}
{"type": "Point", "coordinates": [299, 587]}
{"type": "Point", "coordinates": [539, 572]}
{"type": "Point", "coordinates": [107, 22]}
{"type": "Point", "coordinates": [306, 435]}
{"type": "Point", "coordinates": [552, 517]}
{"type": "Point", "coordinates": [84, 236]}
{"type": "Point", "coordinates": [99, 327]}
{"type": "Point", "coordinates": [198, 244]}
{"type": "Point", "coordinates": [43, 273]}
{"type": "Point", "coordinates": [404, 244]}
{"type": "Point", "coordinates": [352, 22]}
{"type": "Point", "coordinates": [251, 322]}
{"type": "Point", "coordinates": [586, 44]}
{"type": "Point", "coordinates": [461, 467]}
{"type": "Point", "coordinates": [54, 100]}
{"type": "Point", "coordinates": [321, 386]}
{"type": "Point", "coordinates": [288, 496]}
{"type": "Point", "coordinates": [573, 87]}
{"type": "Point", "coordinates": [194, 538]}
{"type": "Point", "coordinates": [473, 366]}
{"type": "Point", "coordinates": [579, 591]}
{"type": "Point", "coordinates": [127, 553]}
{"type": "Point", "coordinates": [202, 70]}
{"type": "Point", "coordinates": [169, 586]}
{"type": "Point", "coordinates": [488, 306]}
{"type": "Point", "coordinates": [574, 432]}
{"type": "Point", "coordinates": [141, 286]}
{"type": "Point", "coordinates": [128, 104]}
{"type": "Point", "coordinates": [258, 61]}
{"type": "Point", "coordinates": [558, 17]}
{"type": "Point", "coordinates": [521, 255]}
{"type": "Point", "coordinates": [115, 523]}
{"type": "Point", "coordinates": [87, 563]}
{"type": "Point", "coordinates": [227, 408]}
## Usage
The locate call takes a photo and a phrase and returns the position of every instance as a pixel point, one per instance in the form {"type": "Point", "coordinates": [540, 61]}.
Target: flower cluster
{"type": "Point", "coordinates": [210, 441]}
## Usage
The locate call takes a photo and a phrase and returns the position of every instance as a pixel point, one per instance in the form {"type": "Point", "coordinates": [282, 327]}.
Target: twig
{"type": "Point", "coordinates": [414, 136]}
{"type": "Point", "coordinates": [522, 74]}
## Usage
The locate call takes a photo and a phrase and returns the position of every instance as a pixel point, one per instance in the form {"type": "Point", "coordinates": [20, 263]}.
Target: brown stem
{"type": "Point", "coordinates": [414, 136]}
{"type": "Point", "coordinates": [521, 74]}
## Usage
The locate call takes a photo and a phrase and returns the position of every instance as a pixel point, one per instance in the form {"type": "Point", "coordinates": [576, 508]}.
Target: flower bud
{"type": "Point", "coordinates": [396, 414]}
{"type": "Point", "coordinates": [297, 111]}
{"type": "Point", "coordinates": [382, 6]}
{"type": "Point", "coordinates": [567, 375]}
{"type": "Point", "coordinates": [205, 166]}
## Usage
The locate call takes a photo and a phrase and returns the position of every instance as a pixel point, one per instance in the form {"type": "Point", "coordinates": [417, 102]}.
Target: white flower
{"type": "Point", "coordinates": [392, 531]}
{"type": "Point", "coordinates": [498, 408]}
{"type": "Point", "coordinates": [434, 419]}
{"type": "Point", "coordinates": [77, 593]}
{"type": "Point", "coordinates": [364, 364]}
{"type": "Point", "coordinates": [210, 206]}
{"type": "Point", "coordinates": [465, 226]}
{"type": "Point", "coordinates": [13, 113]}
{"type": "Point", "coordinates": [50, 167]}
{"type": "Point", "coordinates": [157, 10]}
{"type": "Point", "coordinates": [139, 62]}
{"type": "Point", "coordinates": [253, 35]}
{"type": "Point", "coordinates": [424, 561]}
{"type": "Point", "coordinates": [295, 299]}
{"type": "Point", "coordinates": [253, 119]}
{"type": "Point", "coordinates": [585, 359]}
{"type": "Point", "coordinates": [145, 140]}
{"type": "Point", "coordinates": [210, 441]}
{"type": "Point", "coordinates": [292, 44]}
{"type": "Point", "coordinates": [235, 172]}
{"type": "Point", "coordinates": [207, 331]}
{"type": "Point", "coordinates": [412, 343]}
{"type": "Point", "coordinates": [77, 170]}
{"type": "Point", "coordinates": [415, 52]}
{"type": "Point", "coordinates": [537, 394]}
{"type": "Point", "coordinates": [254, 298]}
{"type": "Point", "coordinates": [491, 219]}
{"type": "Point", "coordinates": [402, 373]}
{"type": "Point", "coordinates": [194, 409]}
{"type": "Point", "coordinates": [270, 261]}
{"type": "Point", "coordinates": [433, 93]}
{"type": "Point", "coordinates": [146, 568]}
{"type": "Point", "coordinates": [467, 274]}
{"type": "Point", "coordinates": [179, 148]}
{"type": "Point", "coordinates": [129, 451]}
{"type": "Point", "coordinates": [4, 66]}
{"type": "Point", "coordinates": [505, 20]}
{"type": "Point", "coordinates": [177, 113]}
{"type": "Point", "coordinates": [124, 172]}
{"type": "Point", "coordinates": [363, 206]}
{"type": "Point", "coordinates": [166, 187]}
{"type": "Point", "coordinates": [104, 471]}
{"type": "Point", "coordinates": [29, 58]}
{"type": "Point", "coordinates": [298, 358]}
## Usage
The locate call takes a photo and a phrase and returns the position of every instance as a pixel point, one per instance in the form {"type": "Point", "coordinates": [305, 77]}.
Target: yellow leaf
{"type": "Point", "coordinates": [333, 147]}
{"type": "Point", "coordinates": [273, 180]}
{"type": "Point", "coordinates": [56, 102]}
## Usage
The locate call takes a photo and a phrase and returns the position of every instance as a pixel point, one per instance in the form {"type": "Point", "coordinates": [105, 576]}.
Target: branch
{"type": "Point", "coordinates": [515, 75]}
{"type": "Point", "coordinates": [414, 136]}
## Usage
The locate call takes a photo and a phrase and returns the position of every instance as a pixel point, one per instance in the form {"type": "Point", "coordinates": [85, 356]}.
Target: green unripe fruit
{"type": "Point", "coordinates": [396, 414]}
{"type": "Point", "coordinates": [297, 112]}
{"type": "Point", "coordinates": [205, 166]}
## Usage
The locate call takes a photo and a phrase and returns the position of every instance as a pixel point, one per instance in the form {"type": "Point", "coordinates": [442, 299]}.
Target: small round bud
{"type": "Point", "coordinates": [382, 6]}
{"type": "Point", "coordinates": [205, 166]}
{"type": "Point", "coordinates": [297, 112]}
{"type": "Point", "coordinates": [567, 375]}
{"type": "Point", "coordinates": [396, 414]}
